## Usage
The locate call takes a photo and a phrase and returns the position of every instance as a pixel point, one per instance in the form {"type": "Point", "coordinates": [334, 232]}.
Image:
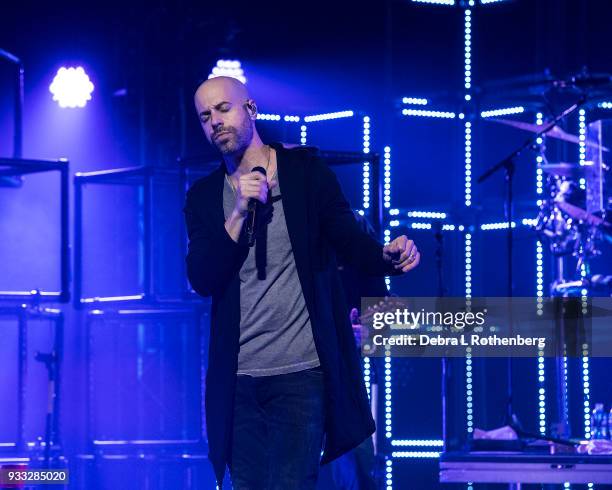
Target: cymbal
{"type": "Point", "coordinates": [556, 132]}
{"type": "Point", "coordinates": [563, 169]}
{"type": "Point", "coordinates": [582, 215]}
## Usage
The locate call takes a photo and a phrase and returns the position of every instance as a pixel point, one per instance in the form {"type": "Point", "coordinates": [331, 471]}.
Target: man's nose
{"type": "Point", "coordinates": [215, 121]}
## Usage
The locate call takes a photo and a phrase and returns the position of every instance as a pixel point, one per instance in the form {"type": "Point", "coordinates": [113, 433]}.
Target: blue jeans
{"type": "Point", "coordinates": [278, 431]}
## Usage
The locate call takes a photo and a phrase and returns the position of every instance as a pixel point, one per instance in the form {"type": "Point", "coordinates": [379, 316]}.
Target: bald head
{"type": "Point", "coordinates": [227, 113]}
{"type": "Point", "coordinates": [227, 87]}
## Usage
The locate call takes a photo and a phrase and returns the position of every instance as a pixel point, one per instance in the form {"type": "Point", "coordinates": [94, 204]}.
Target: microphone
{"type": "Point", "coordinates": [252, 212]}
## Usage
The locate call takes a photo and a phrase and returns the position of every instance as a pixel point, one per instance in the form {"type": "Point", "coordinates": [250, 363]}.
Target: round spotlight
{"type": "Point", "coordinates": [228, 68]}
{"type": "Point", "coordinates": [71, 87]}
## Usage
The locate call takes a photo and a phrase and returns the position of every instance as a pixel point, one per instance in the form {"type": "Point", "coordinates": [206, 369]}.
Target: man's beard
{"type": "Point", "coordinates": [238, 140]}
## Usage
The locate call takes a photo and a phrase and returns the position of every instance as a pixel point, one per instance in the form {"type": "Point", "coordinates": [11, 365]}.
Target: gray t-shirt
{"type": "Point", "coordinates": [275, 331]}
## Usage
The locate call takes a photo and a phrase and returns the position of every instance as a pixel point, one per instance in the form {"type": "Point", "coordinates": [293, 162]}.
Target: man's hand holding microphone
{"type": "Point", "coordinates": [251, 187]}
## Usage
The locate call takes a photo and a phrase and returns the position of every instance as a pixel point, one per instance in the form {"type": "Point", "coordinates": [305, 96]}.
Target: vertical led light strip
{"type": "Point", "coordinates": [468, 163]}
{"type": "Point", "coordinates": [565, 405]}
{"type": "Point", "coordinates": [303, 134]}
{"type": "Point", "coordinates": [582, 135]}
{"type": "Point", "coordinates": [387, 239]}
{"type": "Point", "coordinates": [539, 158]}
{"type": "Point", "coordinates": [582, 143]}
{"type": "Point", "coordinates": [582, 129]}
{"type": "Point", "coordinates": [468, 53]}
{"type": "Point", "coordinates": [469, 399]}
{"type": "Point", "coordinates": [387, 196]}
{"type": "Point", "coordinates": [540, 288]}
{"type": "Point", "coordinates": [541, 393]}
{"type": "Point", "coordinates": [367, 373]}
{"type": "Point", "coordinates": [388, 432]}
{"type": "Point", "coordinates": [468, 356]}
{"type": "Point", "coordinates": [586, 391]}
{"type": "Point", "coordinates": [468, 265]}
{"type": "Point", "coordinates": [366, 204]}
{"type": "Point", "coordinates": [389, 474]}
{"type": "Point", "coordinates": [467, 17]}
{"type": "Point", "coordinates": [387, 177]}
{"type": "Point", "coordinates": [366, 165]}
{"type": "Point", "coordinates": [541, 365]}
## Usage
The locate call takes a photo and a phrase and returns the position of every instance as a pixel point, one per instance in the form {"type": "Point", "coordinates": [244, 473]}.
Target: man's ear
{"type": "Point", "coordinates": [251, 108]}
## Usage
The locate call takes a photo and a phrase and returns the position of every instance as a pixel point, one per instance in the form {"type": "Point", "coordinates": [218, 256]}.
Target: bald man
{"type": "Point", "coordinates": [283, 368]}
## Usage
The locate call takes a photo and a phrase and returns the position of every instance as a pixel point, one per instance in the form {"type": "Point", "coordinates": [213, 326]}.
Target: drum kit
{"type": "Point", "coordinates": [575, 215]}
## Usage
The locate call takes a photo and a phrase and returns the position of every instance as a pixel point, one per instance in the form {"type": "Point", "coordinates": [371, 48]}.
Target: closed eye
{"type": "Point", "coordinates": [221, 107]}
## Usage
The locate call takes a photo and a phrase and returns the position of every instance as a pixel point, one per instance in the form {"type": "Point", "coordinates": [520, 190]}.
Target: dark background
{"type": "Point", "coordinates": [145, 60]}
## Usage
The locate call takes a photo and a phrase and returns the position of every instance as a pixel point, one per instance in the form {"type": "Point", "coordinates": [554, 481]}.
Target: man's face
{"type": "Point", "coordinates": [221, 107]}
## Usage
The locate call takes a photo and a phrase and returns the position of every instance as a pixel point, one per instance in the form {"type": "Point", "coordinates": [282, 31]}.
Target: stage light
{"type": "Point", "coordinates": [417, 442]}
{"type": "Point", "coordinates": [542, 391]}
{"type": "Point", "coordinates": [366, 165]}
{"type": "Point", "coordinates": [387, 239]}
{"type": "Point", "coordinates": [539, 292]}
{"type": "Point", "coordinates": [582, 138]}
{"type": "Point", "coordinates": [469, 399]}
{"type": "Point", "coordinates": [436, 2]}
{"type": "Point", "coordinates": [585, 364]}
{"type": "Point", "coordinates": [485, 2]}
{"type": "Point", "coordinates": [539, 158]}
{"type": "Point", "coordinates": [586, 392]}
{"type": "Point", "coordinates": [468, 265]}
{"type": "Point", "coordinates": [389, 474]}
{"type": "Point", "coordinates": [394, 223]}
{"type": "Point", "coordinates": [269, 117]}
{"type": "Point", "coordinates": [291, 118]}
{"type": "Point", "coordinates": [388, 432]}
{"type": "Point", "coordinates": [448, 227]}
{"type": "Point", "coordinates": [565, 406]}
{"type": "Point", "coordinates": [426, 214]}
{"type": "Point", "coordinates": [415, 454]}
{"type": "Point", "coordinates": [303, 134]}
{"type": "Point", "coordinates": [367, 374]}
{"type": "Point", "coordinates": [71, 87]}
{"type": "Point", "coordinates": [497, 226]}
{"type": "Point", "coordinates": [329, 115]}
{"type": "Point", "coordinates": [228, 68]}
{"type": "Point", "coordinates": [467, 47]}
{"type": "Point", "coordinates": [387, 177]}
{"type": "Point", "coordinates": [505, 111]}
{"type": "Point", "coordinates": [468, 162]}
{"type": "Point", "coordinates": [424, 113]}
{"type": "Point", "coordinates": [420, 226]}
{"type": "Point", "coordinates": [605, 105]}
{"type": "Point", "coordinates": [414, 101]}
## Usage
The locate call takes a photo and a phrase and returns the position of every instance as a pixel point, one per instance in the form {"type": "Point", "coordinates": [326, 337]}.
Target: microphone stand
{"type": "Point", "coordinates": [508, 164]}
{"type": "Point", "coordinates": [50, 362]}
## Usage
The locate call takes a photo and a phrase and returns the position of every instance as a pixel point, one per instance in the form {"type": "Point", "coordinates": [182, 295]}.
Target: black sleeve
{"type": "Point", "coordinates": [352, 244]}
{"type": "Point", "coordinates": [212, 257]}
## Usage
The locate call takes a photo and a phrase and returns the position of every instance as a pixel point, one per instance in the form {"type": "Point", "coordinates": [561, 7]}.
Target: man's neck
{"type": "Point", "coordinates": [256, 154]}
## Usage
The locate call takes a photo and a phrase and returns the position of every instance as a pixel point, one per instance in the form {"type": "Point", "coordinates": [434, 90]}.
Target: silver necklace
{"type": "Point", "coordinates": [229, 181]}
